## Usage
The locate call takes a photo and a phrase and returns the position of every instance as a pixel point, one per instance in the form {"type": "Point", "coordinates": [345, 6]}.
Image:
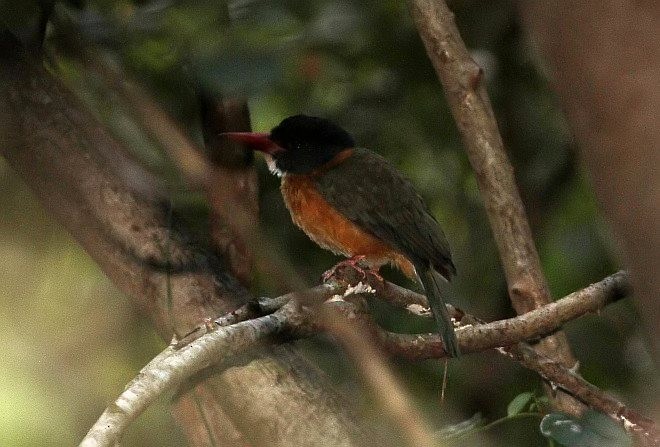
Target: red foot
{"type": "Point", "coordinates": [353, 262]}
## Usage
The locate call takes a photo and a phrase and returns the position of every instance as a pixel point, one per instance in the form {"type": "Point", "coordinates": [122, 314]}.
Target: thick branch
{"type": "Point", "coordinates": [231, 186]}
{"type": "Point", "coordinates": [76, 169]}
{"type": "Point", "coordinates": [469, 103]}
{"type": "Point", "coordinates": [171, 368]}
{"type": "Point", "coordinates": [462, 80]}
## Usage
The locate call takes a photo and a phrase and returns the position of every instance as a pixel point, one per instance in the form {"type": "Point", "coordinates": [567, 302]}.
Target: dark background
{"type": "Point", "coordinates": [72, 340]}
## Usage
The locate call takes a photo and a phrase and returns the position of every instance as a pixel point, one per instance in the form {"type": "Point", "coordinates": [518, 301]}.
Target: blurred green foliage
{"type": "Point", "coordinates": [74, 341]}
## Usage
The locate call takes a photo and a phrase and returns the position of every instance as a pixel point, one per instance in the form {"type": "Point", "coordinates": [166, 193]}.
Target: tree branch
{"type": "Point", "coordinates": [301, 314]}
{"type": "Point", "coordinates": [641, 427]}
{"type": "Point", "coordinates": [171, 368]}
{"type": "Point", "coordinates": [76, 170]}
{"type": "Point", "coordinates": [469, 103]}
{"type": "Point", "coordinates": [476, 336]}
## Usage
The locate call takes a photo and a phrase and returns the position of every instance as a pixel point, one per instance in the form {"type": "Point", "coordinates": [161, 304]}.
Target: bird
{"type": "Point", "coordinates": [355, 203]}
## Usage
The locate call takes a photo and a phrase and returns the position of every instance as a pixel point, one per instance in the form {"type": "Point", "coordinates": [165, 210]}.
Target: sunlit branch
{"type": "Point", "coordinates": [171, 368]}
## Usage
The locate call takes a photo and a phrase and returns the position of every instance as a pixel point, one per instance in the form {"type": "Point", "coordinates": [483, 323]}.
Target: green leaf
{"type": "Point", "coordinates": [591, 430]}
{"type": "Point", "coordinates": [518, 404]}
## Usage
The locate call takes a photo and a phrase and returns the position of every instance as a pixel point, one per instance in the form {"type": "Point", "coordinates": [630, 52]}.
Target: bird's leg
{"type": "Point", "coordinates": [353, 262]}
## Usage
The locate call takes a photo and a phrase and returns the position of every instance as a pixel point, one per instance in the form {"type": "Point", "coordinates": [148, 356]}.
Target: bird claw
{"type": "Point", "coordinates": [350, 262]}
{"type": "Point", "coordinates": [354, 263]}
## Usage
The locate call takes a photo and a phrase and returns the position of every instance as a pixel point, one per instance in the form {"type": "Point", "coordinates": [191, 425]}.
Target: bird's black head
{"type": "Point", "coordinates": [300, 143]}
{"type": "Point", "coordinates": [308, 143]}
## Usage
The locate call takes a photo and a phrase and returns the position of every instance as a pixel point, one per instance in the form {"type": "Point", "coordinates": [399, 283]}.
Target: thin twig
{"type": "Point", "coordinates": [568, 380]}
{"type": "Point", "coordinates": [476, 336]}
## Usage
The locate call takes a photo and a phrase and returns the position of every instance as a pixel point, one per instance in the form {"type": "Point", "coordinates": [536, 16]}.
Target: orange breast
{"type": "Point", "coordinates": [332, 231]}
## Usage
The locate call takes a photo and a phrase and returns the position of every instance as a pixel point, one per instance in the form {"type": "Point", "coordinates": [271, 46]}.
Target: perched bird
{"type": "Point", "coordinates": [353, 202]}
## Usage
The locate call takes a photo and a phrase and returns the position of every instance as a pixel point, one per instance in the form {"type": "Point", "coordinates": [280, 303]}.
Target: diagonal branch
{"type": "Point", "coordinates": [476, 336]}
{"type": "Point", "coordinates": [74, 166]}
{"type": "Point", "coordinates": [462, 79]}
{"type": "Point", "coordinates": [641, 427]}
{"type": "Point", "coordinates": [171, 368]}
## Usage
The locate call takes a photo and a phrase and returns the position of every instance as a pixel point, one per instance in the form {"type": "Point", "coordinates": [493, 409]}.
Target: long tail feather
{"type": "Point", "coordinates": [430, 280]}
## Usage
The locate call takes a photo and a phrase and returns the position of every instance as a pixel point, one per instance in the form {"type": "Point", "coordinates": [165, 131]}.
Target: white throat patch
{"type": "Point", "coordinates": [270, 161]}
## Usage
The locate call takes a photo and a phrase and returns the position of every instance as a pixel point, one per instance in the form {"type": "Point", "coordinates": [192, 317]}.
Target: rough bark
{"type": "Point", "coordinates": [234, 207]}
{"type": "Point", "coordinates": [82, 177]}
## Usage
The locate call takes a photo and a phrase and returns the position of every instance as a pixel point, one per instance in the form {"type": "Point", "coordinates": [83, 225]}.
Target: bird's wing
{"type": "Point", "coordinates": [370, 192]}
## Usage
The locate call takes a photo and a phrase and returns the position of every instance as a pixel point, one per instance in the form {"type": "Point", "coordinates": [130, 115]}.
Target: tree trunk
{"type": "Point", "coordinates": [83, 176]}
{"type": "Point", "coordinates": [604, 58]}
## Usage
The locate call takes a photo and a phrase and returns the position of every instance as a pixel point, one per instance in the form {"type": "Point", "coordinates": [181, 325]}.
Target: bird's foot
{"type": "Point", "coordinates": [350, 262]}
{"type": "Point", "coordinates": [354, 263]}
